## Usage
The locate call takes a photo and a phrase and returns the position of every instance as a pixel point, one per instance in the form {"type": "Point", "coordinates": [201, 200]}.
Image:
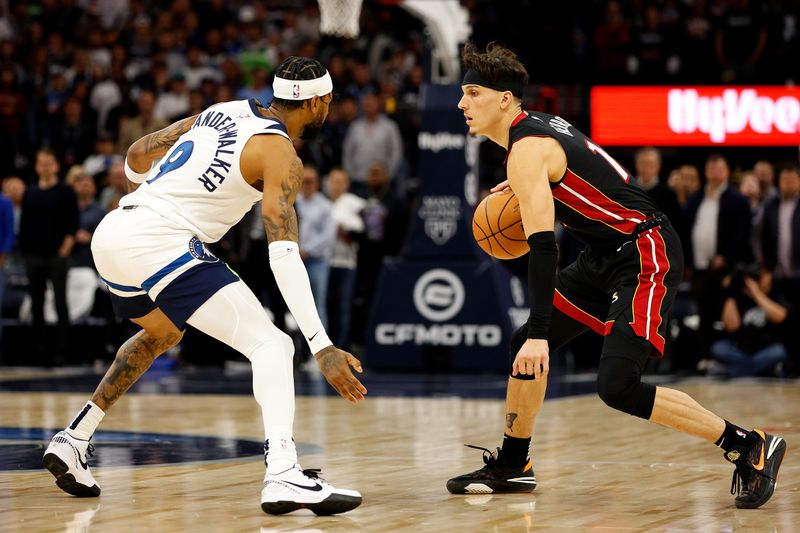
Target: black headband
{"type": "Point", "coordinates": [472, 77]}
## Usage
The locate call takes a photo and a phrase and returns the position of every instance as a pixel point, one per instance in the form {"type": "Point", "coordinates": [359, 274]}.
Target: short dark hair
{"type": "Point", "coordinates": [789, 167]}
{"type": "Point", "coordinates": [716, 156]}
{"type": "Point", "coordinates": [297, 68]}
{"type": "Point", "coordinates": [496, 65]}
{"type": "Point", "coordinates": [46, 150]}
{"type": "Point", "coordinates": [645, 149]}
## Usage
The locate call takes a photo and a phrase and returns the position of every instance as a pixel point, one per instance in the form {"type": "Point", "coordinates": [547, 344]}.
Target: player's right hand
{"type": "Point", "coordinates": [502, 186]}
{"type": "Point", "coordinates": [532, 358]}
{"type": "Point", "coordinates": [335, 366]}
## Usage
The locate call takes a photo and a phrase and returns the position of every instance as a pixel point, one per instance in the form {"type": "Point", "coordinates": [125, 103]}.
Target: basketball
{"type": "Point", "coordinates": [497, 226]}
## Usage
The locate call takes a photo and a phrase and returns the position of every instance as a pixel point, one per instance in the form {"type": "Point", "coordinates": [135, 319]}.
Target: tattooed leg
{"type": "Point", "coordinates": [524, 398]}
{"type": "Point", "coordinates": [133, 359]}
{"type": "Point", "coordinates": [510, 418]}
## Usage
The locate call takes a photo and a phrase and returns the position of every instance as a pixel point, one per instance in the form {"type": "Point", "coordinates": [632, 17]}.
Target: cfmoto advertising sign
{"type": "Point", "coordinates": [438, 296]}
{"type": "Point", "coordinates": [459, 314]}
{"type": "Point", "coordinates": [696, 116]}
{"type": "Point", "coordinates": [444, 305]}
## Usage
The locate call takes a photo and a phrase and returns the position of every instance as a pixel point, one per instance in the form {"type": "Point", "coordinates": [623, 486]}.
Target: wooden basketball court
{"type": "Point", "coordinates": [597, 469]}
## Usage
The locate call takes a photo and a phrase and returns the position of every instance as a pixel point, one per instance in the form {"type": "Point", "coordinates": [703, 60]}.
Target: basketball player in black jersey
{"type": "Point", "coordinates": [621, 286]}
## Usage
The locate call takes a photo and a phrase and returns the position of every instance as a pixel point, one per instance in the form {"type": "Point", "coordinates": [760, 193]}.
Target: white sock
{"type": "Point", "coordinates": [273, 387]}
{"type": "Point", "coordinates": [281, 454]}
{"type": "Point", "coordinates": [86, 421]}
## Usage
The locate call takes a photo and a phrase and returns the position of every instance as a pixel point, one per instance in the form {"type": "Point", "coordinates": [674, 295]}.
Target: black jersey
{"type": "Point", "coordinates": [595, 199]}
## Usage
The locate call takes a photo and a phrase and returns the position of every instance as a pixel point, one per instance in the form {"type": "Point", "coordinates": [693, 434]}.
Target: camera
{"type": "Point", "coordinates": [738, 274]}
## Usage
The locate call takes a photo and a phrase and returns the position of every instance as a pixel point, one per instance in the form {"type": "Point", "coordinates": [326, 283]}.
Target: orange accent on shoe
{"type": "Point", "coordinates": [760, 464]}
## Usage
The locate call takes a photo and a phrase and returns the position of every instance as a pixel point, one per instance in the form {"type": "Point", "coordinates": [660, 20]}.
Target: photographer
{"type": "Point", "coordinates": [755, 322]}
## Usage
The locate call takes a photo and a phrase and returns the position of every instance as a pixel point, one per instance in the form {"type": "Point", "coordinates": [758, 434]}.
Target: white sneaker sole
{"type": "Point", "coordinates": [333, 504]}
{"type": "Point", "coordinates": [65, 480]}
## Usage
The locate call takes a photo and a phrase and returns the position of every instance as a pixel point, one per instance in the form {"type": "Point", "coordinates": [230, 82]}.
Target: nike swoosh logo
{"type": "Point", "coordinates": [529, 480]}
{"type": "Point", "coordinates": [760, 464]}
{"type": "Point", "coordinates": [315, 487]}
{"type": "Point", "coordinates": [311, 338]}
{"type": "Point", "coordinates": [80, 461]}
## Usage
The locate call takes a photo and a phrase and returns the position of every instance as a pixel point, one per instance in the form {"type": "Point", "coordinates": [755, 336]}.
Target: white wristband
{"type": "Point", "coordinates": [135, 177]}
{"type": "Point", "coordinates": [292, 278]}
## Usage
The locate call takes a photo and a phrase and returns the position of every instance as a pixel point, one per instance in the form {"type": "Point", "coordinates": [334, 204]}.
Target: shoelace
{"type": "Point", "coordinates": [90, 450]}
{"type": "Point", "coordinates": [489, 457]}
{"type": "Point", "coordinates": [313, 473]}
{"type": "Point", "coordinates": [740, 480]}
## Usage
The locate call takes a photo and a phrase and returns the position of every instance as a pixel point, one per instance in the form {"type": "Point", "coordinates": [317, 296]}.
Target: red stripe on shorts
{"type": "Point", "coordinates": [650, 291]}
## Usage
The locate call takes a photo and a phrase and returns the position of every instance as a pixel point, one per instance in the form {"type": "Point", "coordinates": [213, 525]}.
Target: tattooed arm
{"type": "Point", "coordinates": [277, 206]}
{"type": "Point", "coordinates": [281, 183]}
{"type": "Point", "coordinates": [153, 146]}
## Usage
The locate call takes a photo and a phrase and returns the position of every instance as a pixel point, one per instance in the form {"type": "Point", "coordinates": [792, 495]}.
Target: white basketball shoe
{"type": "Point", "coordinates": [295, 489]}
{"type": "Point", "coordinates": [66, 459]}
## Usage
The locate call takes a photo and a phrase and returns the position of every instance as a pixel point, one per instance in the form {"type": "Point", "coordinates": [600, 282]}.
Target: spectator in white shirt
{"type": "Point", "coordinates": [175, 102]}
{"type": "Point", "coordinates": [347, 208]}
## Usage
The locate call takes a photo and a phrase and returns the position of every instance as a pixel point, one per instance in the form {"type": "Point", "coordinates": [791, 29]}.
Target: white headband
{"type": "Point", "coordinates": [301, 89]}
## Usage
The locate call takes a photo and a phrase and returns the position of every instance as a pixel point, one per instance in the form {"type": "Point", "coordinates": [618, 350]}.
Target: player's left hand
{"type": "Point", "coordinates": [502, 186]}
{"type": "Point", "coordinates": [335, 366]}
{"type": "Point", "coordinates": [533, 358]}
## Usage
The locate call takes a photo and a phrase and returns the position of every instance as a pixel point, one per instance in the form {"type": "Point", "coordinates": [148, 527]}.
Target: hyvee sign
{"type": "Point", "coordinates": [698, 116]}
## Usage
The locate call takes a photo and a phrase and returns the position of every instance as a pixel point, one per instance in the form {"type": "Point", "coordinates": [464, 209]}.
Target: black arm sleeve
{"type": "Point", "coordinates": [541, 282]}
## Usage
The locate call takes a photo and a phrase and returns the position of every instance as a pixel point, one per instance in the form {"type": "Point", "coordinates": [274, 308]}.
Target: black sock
{"type": "Point", "coordinates": [736, 438]}
{"type": "Point", "coordinates": [514, 451]}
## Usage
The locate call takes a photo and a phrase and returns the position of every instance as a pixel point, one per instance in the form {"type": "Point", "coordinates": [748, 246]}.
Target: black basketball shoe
{"type": "Point", "coordinates": [494, 477]}
{"type": "Point", "coordinates": [756, 473]}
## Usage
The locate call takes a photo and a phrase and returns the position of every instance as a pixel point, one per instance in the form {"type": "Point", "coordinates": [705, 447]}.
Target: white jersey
{"type": "Point", "coordinates": [198, 184]}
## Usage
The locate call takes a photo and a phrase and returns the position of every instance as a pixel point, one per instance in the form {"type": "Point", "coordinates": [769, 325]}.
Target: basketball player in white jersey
{"type": "Point", "coordinates": [190, 183]}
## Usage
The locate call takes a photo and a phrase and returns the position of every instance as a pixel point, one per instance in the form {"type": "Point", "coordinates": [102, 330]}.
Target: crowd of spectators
{"type": "Point", "coordinates": [636, 41]}
{"type": "Point", "coordinates": [741, 243]}
{"type": "Point", "coordinates": [80, 81]}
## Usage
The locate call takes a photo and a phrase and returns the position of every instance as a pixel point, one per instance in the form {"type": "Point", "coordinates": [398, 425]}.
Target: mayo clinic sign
{"type": "Point", "coordinates": [696, 116]}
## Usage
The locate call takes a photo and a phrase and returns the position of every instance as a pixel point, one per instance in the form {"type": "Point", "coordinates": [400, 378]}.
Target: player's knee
{"type": "Point", "coordinates": [614, 390]}
{"type": "Point", "coordinates": [619, 385]}
{"type": "Point", "coordinates": [517, 340]}
{"type": "Point", "coordinates": [275, 344]}
{"type": "Point", "coordinates": [172, 338]}
{"type": "Point", "coordinates": [287, 343]}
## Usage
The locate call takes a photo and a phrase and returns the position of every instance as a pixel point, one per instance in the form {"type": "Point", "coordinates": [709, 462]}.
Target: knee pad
{"type": "Point", "coordinates": [517, 340]}
{"type": "Point", "coordinates": [619, 385]}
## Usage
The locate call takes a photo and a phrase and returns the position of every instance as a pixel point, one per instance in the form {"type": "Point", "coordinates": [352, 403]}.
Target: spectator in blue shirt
{"type": "Point", "coordinates": [6, 243]}
{"type": "Point", "coordinates": [317, 237]}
